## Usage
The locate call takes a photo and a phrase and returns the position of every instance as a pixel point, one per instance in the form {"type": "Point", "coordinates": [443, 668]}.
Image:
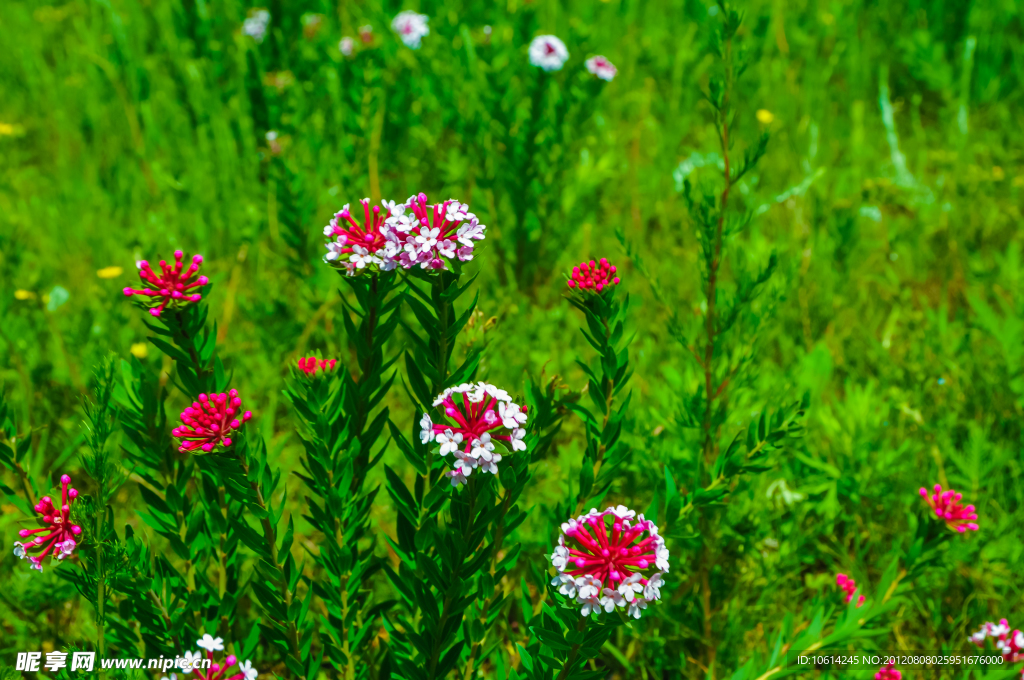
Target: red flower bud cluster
{"type": "Point", "coordinates": [210, 422]}
{"type": "Point", "coordinates": [593, 276]}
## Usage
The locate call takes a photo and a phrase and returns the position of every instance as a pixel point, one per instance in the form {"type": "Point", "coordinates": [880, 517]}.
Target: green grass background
{"type": "Point", "coordinates": [891, 190]}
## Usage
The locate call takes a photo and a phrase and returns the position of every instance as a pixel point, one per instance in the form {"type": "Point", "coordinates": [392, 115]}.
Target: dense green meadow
{"type": "Point", "coordinates": [866, 330]}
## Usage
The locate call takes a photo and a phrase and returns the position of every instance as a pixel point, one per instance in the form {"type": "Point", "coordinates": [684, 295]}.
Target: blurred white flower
{"type": "Point", "coordinates": [255, 26]}
{"type": "Point", "coordinates": [411, 27]}
{"type": "Point", "coordinates": [346, 46]}
{"type": "Point", "coordinates": [601, 67]}
{"type": "Point", "coordinates": [548, 52]}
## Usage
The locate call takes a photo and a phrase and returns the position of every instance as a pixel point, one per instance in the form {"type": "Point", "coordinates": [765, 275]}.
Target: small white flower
{"type": "Point", "coordinates": [19, 550]}
{"type": "Point", "coordinates": [591, 605]}
{"type": "Point", "coordinates": [446, 248]}
{"type": "Point", "coordinates": [426, 429]}
{"type": "Point", "coordinates": [456, 477]}
{"type": "Point", "coordinates": [411, 27]}
{"type": "Point", "coordinates": [210, 643]}
{"type": "Point", "coordinates": [482, 446]}
{"type": "Point", "coordinates": [566, 584]}
{"type": "Point", "coordinates": [637, 606]}
{"type": "Point", "coordinates": [361, 257]}
{"type": "Point", "coordinates": [661, 554]}
{"type": "Point", "coordinates": [548, 52]}
{"type": "Point", "coordinates": [496, 392]}
{"type": "Point", "coordinates": [560, 558]}
{"type": "Point", "coordinates": [173, 676]}
{"type": "Point", "coordinates": [622, 512]}
{"type": "Point", "coordinates": [601, 67]}
{"type": "Point", "coordinates": [610, 599]}
{"type": "Point", "coordinates": [427, 238]}
{"type": "Point", "coordinates": [588, 587]}
{"type": "Point", "coordinates": [979, 637]}
{"type": "Point", "coordinates": [652, 591]}
{"type": "Point", "coordinates": [346, 46]}
{"type": "Point", "coordinates": [248, 670]}
{"type": "Point", "coordinates": [511, 415]}
{"type": "Point", "coordinates": [470, 231]}
{"type": "Point", "coordinates": [334, 249]}
{"type": "Point", "coordinates": [37, 564]}
{"type": "Point", "coordinates": [630, 587]}
{"type": "Point", "coordinates": [449, 441]}
{"type": "Point", "coordinates": [998, 630]}
{"type": "Point", "coordinates": [1018, 640]}
{"type": "Point", "coordinates": [191, 661]}
{"type": "Point", "coordinates": [66, 548]}
{"type": "Point", "coordinates": [517, 439]}
{"type": "Point", "coordinates": [489, 462]}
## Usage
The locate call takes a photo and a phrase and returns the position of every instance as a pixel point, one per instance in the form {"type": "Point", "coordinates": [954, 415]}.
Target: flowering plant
{"type": "Point", "coordinates": [171, 286]}
{"type": "Point", "coordinates": [60, 541]}
{"type": "Point", "coordinates": [482, 415]}
{"type": "Point", "coordinates": [431, 235]}
{"type": "Point", "coordinates": [357, 248]}
{"type": "Point", "coordinates": [610, 569]}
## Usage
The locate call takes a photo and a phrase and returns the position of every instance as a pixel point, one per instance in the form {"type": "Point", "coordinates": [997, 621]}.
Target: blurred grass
{"type": "Point", "coordinates": [892, 192]}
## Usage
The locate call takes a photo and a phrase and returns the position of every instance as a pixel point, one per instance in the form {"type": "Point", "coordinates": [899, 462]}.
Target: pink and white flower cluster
{"type": "Point", "coordinates": [948, 508]}
{"type": "Point", "coordinates": [57, 538]}
{"type": "Point", "coordinates": [355, 247]}
{"type": "Point", "coordinates": [430, 235]}
{"type": "Point", "coordinates": [479, 415]}
{"type": "Point", "coordinates": [849, 587]}
{"type": "Point", "coordinates": [604, 561]}
{"type": "Point", "coordinates": [1009, 643]}
{"type": "Point", "coordinates": [411, 27]}
{"type": "Point", "coordinates": [172, 285]}
{"type": "Point", "coordinates": [403, 235]}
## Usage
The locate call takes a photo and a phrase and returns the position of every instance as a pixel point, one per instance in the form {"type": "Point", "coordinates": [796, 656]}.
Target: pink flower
{"type": "Point", "coordinates": [849, 587]}
{"type": "Point", "coordinates": [217, 671]}
{"type": "Point", "coordinates": [431, 235]}
{"type": "Point", "coordinates": [948, 508]}
{"type": "Point", "coordinates": [593, 277]}
{"type": "Point", "coordinates": [210, 422]}
{"type": "Point", "coordinates": [310, 365]}
{"type": "Point", "coordinates": [887, 672]}
{"type": "Point", "coordinates": [604, 561]}
{"type": "Point", "coordinates": [56, 539]}
{"type": "Point", "coordinates": [358, 247]}
{"type": "Point", "coordinates": [601, 67]}
{"type": "Point", "coordinates": [172, 285]}
{"type": "Point", "coordinates": [479, 415]}
{"type": "Point", "coordinates": [1009, 643]}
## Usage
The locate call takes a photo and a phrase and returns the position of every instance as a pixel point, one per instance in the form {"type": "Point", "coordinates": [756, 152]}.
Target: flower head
{"type": "Point", "coordinates": [948, 508]}
{"type": "Point", "coordinates": [411, 27]}
{"type": "Point", "coordinates": [366, 34]}
{"type": "Point", "coordinates": [346, 46]}
{"type": "Point", "coordinates": [473, 427]}
{"type": "Point", "coordinates": [211, 421]}
{"type": "Point", "coordinates": [1009, 643]}
{"type": "Point", "coordinates": [548, 52]}
{"type": "Point", "coordinates": [57, 538]}
{"type": "Point", "coordinates": [309, 365]}
{"type": "Point", "coordinates": [888, 672]}
{"type": "Point", "coordinates": [593, 277]}
{"type": "Point", "coordinates": [849, 587]}
{"type": "Point", "coordinates": [255, 26]}
{"type": "Point", "coordinates": [601, 67]}
{"type": "Point", "coordinates": [611, 562]}
{"type": "Point", "coordinates": [171, 286]}
{"type": "Point", "coordinates": [217, 671]}
{"type": "Point", "coordinates": [357, 248]}
{"type": "Point", "coordinates": [428, 236]}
